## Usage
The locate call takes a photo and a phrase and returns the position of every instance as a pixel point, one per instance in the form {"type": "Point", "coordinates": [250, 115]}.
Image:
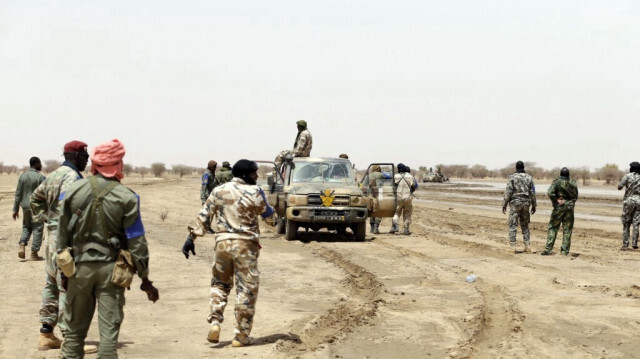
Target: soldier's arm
{"type": "Point", "coordinates": [508, 192]}
{"type": "Point", "coordinates": [38, 203]}
{"type": "Point", "coordinates": [551, 192]}
{"type": "Point", "coordinates": [203, 219]}
{"type": "Point", "coordinates": [62, 239]}
{"type": "Point", "coordinates": [135, 236]}
{"type": "Point", "coordinates": [203, 188]}
{"type": "Point", "coordinates": [16, 202]}
{"type": "Point", "coordinates": [302, 143]}
{"type": "Point", "coordinates": [532, 194]}
{"type": "Point", "coordinates": [623, 182]}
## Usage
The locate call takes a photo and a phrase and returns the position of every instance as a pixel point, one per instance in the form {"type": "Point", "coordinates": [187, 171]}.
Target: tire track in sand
{"type": "Point", "coordinates": [496, 328]}
{"type": "Point", "coordinates": [365, 294]}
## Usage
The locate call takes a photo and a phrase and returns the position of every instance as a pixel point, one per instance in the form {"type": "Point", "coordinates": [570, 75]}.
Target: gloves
{"type": "Point", "coordinates": [188, 246]}
{"type": "Point", "coordinates": [533, 210]}
{"type": "Point", "coordinates": [152, 292]}
{"type": "Point", "coordinates": [504, 210]}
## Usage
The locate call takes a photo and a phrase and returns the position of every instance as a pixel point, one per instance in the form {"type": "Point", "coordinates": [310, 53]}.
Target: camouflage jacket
{"type": "Point", "coordinates": [237, 206]}
{"type": "Point", "coordinates": [208, 183]}
{"type": "Point", "coordinates": [92, 239]}
{"type": "Point", "coordinates": [44, 200]}
{"type": "Point", "coordinates": [563, 187]}
{"type": "Point", "coordinates": [302, 145]}
{"type": "Point", "coordinates": [222, 177]}
{"type": "Point", "coordinates": [27, 183]}
{"type": "Point", "coordinates": [632, 183]}
{"type": "Point", "coordinates": [520, 190]}
{"type": "Point", "coordinates": [406, 184]}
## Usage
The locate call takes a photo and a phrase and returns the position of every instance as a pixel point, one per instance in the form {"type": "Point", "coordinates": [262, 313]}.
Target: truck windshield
{"type": "Point", "coordinates": [323, 172]}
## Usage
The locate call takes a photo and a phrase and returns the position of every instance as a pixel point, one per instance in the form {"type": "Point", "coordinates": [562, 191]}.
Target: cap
{"type": "Point", "coordinates": [226, 164]}
{"type": "Point", "coordinates": [75, 146]}
{"type": "Point", "coordinates": [302, 123]}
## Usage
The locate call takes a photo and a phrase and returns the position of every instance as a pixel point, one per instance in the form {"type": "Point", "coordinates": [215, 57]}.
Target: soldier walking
{"type": "Point", "coordinates": [406, 184]}
{"type": "Point", "coordinates": [224, 175]}
{"type": "Point", "coordinates": [301, 146]}
{"type": "Point", "coordinates": [100, 219]}
{"type": "Point", "coordinates": [237, 205]}
{"type": "Point", "coordinates": [208, 180]}
{"type": "Point", "coordinates": [630, 205]}
{"type": "Point", "coordinates": [45, 207]}
{"type": "Point", "coordinates": [519, 195]}
{"type": "Point", "coordinates": [27, 183]}
{"type": "Point", "coordinates": [376, 181]}
{"type": "Point", "coordinates": [563, 194]}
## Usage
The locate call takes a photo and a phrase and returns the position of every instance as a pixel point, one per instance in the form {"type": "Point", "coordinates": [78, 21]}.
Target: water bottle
{"type": "Point", "coordinates": [471, 278]}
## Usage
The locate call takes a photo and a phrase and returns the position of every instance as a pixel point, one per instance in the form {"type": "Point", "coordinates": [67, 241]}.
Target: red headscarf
{"type": "Point", "coordinates": [106, 159]}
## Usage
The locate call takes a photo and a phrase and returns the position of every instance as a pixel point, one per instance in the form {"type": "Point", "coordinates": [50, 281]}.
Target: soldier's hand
{"type": "Point", "coordinates": [504, 210]}
{"type": "Point", "coordinates": [188, 246]}
{"type": "Point", "coordinates": [152, 292]}
{"type": "Point", "coordinates": [15, 215]}
{"type": "Point", "coordinates": [533, 210]}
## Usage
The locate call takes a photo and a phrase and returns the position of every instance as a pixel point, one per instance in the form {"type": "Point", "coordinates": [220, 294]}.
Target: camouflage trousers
{"type": "Point", "coordinates": [28, 228]}
{"type": "Point", "coordinates": [630, 216]}
{"type": "Point", "coordinates": [404, 208]}
{"type": "Point", "coordinates": [92, 285]}
{"type": "Point", "coordinates": [53, 295]}
{"type": "Point", "coordinates": [561, 215]}
{"type": "Point", "coordinates": [280, 158]}
{"type": "Point", "coordinates": [235, 259]}
{"type": "Point", "coordinates": [375, 220]}
{"type": "Point", "coordinates": [519, 212]}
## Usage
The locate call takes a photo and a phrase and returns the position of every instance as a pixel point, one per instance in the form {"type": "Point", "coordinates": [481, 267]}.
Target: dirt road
{"type": "Point", "coordinates": [388, 297]}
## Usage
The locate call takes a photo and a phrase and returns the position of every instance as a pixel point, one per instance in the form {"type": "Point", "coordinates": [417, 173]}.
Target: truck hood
{"type": "Point", "coordinates": [339, 189]}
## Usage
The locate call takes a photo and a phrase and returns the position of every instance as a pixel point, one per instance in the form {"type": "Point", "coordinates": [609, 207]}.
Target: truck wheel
{"type": "Point", "coordinates": [280, 225]}
{"type": "Point", "coordinates": [290, 230]}
{"type": "Point", "coordinates": [359, 231]}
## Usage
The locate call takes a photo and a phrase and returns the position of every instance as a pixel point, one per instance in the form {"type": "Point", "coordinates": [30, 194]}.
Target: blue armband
{"type": "Point", "coordinates": [205, 179]}
{"type": "Point", "coordinates": [137, 228]}
{"type": "Point", "coordinates": [268, 212]}
{"type": "Point", "coordinates": [61, 196]}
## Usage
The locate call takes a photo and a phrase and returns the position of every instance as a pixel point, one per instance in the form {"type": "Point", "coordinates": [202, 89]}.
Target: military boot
{"type": "Point", "coordinates": [373, 226]}
{"type": "Point", "coordinates": [527, 249]}
{"type": "Point", "coordinates": [406, 231]}
{"type": "Point", "coordinates": [241, 341]}
{"type": "Point", "coordinates": [35, 256]}
{"type": "Point", "coordinates": [21, 251]}
{"type": "Point", "coordinates": [48, 341]}
{"type": "Point", "coordinates": [376, 229]}
{"type": "Point", "coordinates": [214, 333]}
{"type": "Point", "coordinates": [394, 228]}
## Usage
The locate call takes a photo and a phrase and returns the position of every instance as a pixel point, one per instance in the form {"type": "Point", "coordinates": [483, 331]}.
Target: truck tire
{"type": "Point", "coordinates": [290, 230]}
{"type": "Point", "coordinates": [280, 223]}
{"type": "Point", "coordinates": [359, 231]}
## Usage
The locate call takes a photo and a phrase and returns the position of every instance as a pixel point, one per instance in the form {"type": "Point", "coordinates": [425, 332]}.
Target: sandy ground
{"type": "Point", "coordinates": [388, 297]}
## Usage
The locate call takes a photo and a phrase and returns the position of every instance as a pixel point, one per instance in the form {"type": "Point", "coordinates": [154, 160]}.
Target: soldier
{"type": "Point", "coordinates": [44, 207]}
{"type": "Point", "coordinates": [301, 146]}
{"type": "Point", "coordinates": [27, 183]}
{"type": "Point", "coordinates": [224, 175]}
{"type": "Point", "coordinates": [208, 180]}
{"type": "Point", "coordinates": [99, 220]}
{"type": "Point", "coordinates": [344, 155]}
{"type": "Point", "coordinates": [237, 205]}
{"type": "Point", "coordinates": [563, 194]}
{"type": "Point", "coordinates": [630, 205]}
{"type": "Point", "coordinates": [406, 184]}
{"type": "Point", "coordinates": [376, 181]}
{"type": "Point", "coordinates": [520, 194]}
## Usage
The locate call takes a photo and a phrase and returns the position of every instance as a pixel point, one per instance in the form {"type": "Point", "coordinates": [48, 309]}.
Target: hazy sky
{"type": "Point", "coordinates": [420, 82]}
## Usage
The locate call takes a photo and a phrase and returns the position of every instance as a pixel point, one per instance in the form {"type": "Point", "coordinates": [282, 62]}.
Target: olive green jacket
{"type": "Point", "coordinates": [27, 183]}
{"type": "Point", "coordinates": [93, 240]}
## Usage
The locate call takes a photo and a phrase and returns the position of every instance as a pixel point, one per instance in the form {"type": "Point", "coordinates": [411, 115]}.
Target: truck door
{"type": "Point", "coordinates": [382, 199]}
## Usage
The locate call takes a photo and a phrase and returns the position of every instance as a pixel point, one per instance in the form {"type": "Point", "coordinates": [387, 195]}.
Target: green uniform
{"type": "Point", "coordinates": [95, 240]}
{"type": "Point", "coordinates": [27, 183]}
{"type": "Point", "coordinates": [223, 176]}
{"type": "Point", "coordinates": [208, 183]}
{"type": "Point", "coordinates": [567, 189]}
{"type": "Point", "coordinates": [44, 207]}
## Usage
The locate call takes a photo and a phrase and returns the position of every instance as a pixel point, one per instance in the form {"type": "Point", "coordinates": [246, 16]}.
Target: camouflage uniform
{"type": "Point", "coordinates": [95, 254]}
{"type": "Point", "coordinates": [236, 206]}
{"type": "Point", "coordinates": [376, 179]}
{"type": "Point", "coordinates": [630, 207]}
{"type": "Point", "coordinates": [567, 189]}
{"type": "Point", "coordinates": [44, 206]}
{"type": "Point", "coordinates": [301, 147]}
{"type": "Point", "coordinates": [223, 176]}
{"type": "Point", "coordinates": [27, 183]}
{"type": "Point", "coordinates": [519, 195]}
{"type": "Point", "coordinates": [208, 183]}
{"type": "Point", "coordinates": [405, 184]}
